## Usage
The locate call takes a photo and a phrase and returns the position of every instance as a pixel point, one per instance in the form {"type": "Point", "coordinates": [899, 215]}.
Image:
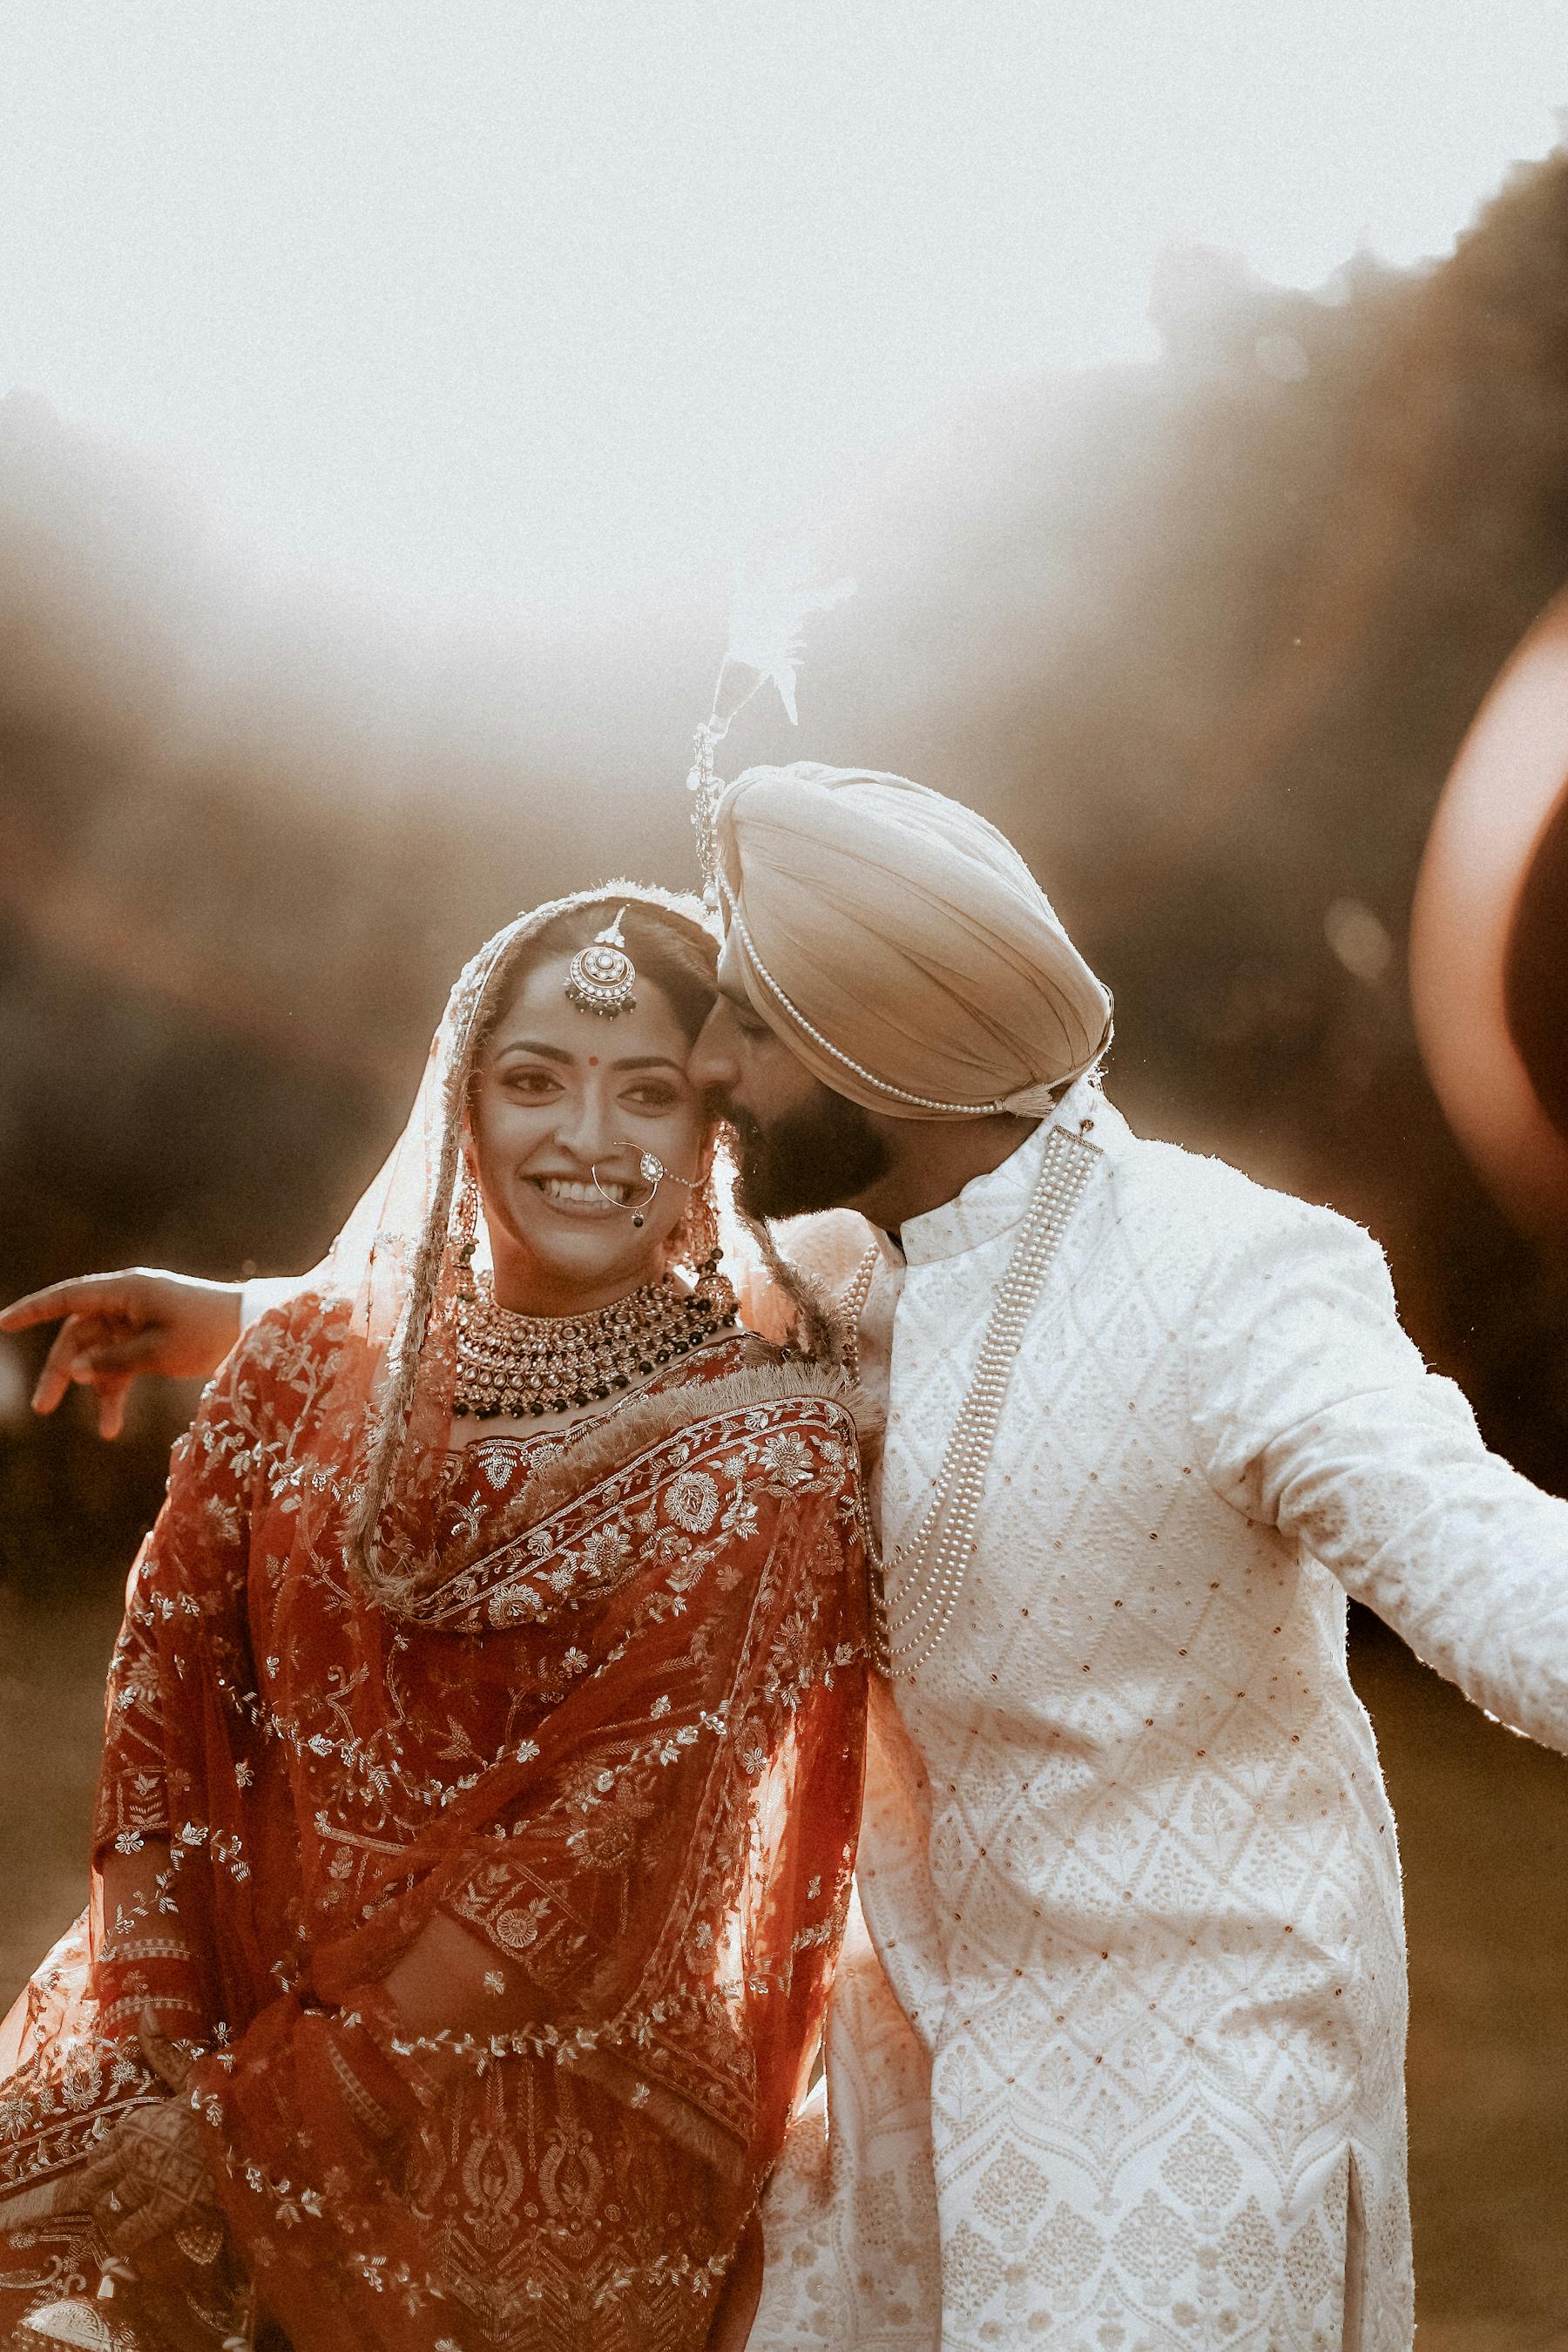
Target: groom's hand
{"type": "Point", "coordinates": [118, 1326]}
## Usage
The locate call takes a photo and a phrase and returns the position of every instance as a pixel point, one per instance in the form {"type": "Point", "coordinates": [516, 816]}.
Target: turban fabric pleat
{"type": "Point", "coordinates": [899, 946]}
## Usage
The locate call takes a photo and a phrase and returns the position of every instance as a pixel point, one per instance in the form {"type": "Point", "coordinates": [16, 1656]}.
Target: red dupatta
{"type": "Point", "coordinates": [620, 1743]}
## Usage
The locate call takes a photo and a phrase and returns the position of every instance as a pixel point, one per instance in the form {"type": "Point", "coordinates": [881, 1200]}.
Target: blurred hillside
{"type": "Point", "coordinates": [1203, 635]}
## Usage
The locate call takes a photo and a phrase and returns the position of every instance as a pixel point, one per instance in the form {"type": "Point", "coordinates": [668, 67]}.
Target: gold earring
{"type": "Point", "coordinates": [695, 1241]}
{"type": "Point", "coordinates": [466, 1233]}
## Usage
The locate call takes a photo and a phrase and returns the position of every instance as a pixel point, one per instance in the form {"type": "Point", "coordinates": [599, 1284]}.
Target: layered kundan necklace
{"type": "Point", "coordinates": [521, 1366]}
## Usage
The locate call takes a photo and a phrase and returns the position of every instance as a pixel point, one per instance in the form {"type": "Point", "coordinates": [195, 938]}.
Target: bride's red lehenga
{"type": "Point", "coordinates": [592, 1774]}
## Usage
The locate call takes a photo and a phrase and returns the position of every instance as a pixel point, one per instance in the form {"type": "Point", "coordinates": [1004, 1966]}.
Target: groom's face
{"type": "Point", "coordinates": [799, 1145]}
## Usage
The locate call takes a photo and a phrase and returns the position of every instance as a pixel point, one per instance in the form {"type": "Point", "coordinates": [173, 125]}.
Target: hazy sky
{"type": "Point", "coordinates": [504, 306]}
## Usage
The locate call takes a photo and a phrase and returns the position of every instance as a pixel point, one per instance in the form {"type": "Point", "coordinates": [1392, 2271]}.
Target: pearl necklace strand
{"type": "Point", "coordinates": [932, 1565]}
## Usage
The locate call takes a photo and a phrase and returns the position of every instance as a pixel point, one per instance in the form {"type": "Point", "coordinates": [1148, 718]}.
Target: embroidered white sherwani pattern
{"type": "Point", "coordinates": [1127, 1861]}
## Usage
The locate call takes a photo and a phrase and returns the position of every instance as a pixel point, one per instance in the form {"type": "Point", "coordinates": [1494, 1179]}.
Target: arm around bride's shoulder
{"type": "Point", "coordinates": [116, 1326]}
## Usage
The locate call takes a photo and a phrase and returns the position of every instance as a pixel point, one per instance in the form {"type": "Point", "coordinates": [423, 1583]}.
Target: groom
{"type": "Point", "coordinates": [1117, 2066]}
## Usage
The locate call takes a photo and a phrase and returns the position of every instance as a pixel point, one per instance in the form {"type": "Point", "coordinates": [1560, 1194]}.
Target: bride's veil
{"type": "Point", "coordinates": [390, 1281]}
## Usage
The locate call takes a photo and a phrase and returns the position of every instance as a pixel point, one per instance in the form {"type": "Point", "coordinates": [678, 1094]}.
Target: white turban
{"type": "Point", "coordinates": [899, 946]}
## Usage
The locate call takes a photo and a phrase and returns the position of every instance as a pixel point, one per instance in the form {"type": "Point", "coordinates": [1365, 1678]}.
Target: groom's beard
{"type": "Point", "coordinates": [813, 1158]}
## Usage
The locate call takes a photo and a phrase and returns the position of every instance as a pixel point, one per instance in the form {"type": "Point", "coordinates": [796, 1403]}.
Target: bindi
{"type": "Point", "coordinates": [593, 1061]}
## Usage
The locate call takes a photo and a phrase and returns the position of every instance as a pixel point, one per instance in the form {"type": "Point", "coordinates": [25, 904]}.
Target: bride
{"type": "Point", "coordinates": [477, 1806]}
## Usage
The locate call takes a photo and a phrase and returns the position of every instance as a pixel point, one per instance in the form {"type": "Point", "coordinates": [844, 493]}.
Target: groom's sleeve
{"type": "Point", "coordinates": [1315, 1413]}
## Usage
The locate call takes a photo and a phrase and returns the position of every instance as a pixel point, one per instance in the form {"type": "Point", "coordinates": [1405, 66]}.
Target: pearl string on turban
{"type": "Point", "coordinates": [899, 946]}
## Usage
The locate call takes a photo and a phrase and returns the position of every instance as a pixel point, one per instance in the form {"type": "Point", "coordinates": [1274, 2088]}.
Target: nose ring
{"type": "Point", "coordinates": [653, 1171]}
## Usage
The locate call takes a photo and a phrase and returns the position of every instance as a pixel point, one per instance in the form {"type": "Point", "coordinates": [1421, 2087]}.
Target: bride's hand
{"type": "Point", "coordinates": [150, 2178]}
{"type": "Point", "coordinates": [150, 2181]}
{"type": "Point", "coordinates": [118, 1326]}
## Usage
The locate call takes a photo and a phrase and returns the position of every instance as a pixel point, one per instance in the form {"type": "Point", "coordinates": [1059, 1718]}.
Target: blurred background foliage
{"type": "Point", "coordinates": [1203, 635]}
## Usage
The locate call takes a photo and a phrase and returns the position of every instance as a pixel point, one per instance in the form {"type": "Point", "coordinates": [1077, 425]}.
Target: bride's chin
{"type": "Point", "coordinates": [593, 1253]}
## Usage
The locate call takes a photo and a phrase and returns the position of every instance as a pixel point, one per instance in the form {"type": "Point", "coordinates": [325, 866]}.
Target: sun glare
{"type": "Point", "coordinates": [545, 306]}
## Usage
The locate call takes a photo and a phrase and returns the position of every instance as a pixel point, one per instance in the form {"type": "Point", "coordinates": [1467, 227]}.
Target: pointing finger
{"type": "Point", "coordinates": [88, 1294]}
{"type": "Point", "coordinates": [65, 1360]}
{"type": "Point", "coordinates": [114, 1388]}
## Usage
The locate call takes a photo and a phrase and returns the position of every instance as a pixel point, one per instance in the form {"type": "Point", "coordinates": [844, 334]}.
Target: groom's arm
{"type": "Point", "coordinates": [1314, 1412]}
{"type": "Point", "coordinates": [115, 1326]}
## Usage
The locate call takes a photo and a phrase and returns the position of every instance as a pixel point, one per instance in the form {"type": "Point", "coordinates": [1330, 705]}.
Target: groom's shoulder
{"type": "Point", "coordinates": [1193, 1205]}
{"type": "Point", "coordinates": [829, 1245]}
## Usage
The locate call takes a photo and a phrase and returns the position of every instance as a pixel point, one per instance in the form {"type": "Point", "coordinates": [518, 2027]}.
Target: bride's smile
{"type": "Point", "coordinates": [563, 1107]}
{"type": "Point", "coordinates": [569, 1193]}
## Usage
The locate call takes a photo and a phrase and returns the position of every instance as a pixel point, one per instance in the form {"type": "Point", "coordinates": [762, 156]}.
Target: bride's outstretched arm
{"type": "Point", "coordinates": [115, 1326]}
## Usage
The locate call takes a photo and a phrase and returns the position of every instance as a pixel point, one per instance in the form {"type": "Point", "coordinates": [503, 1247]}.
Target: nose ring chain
{"type": "Point", "coordinates": [653, 1171]}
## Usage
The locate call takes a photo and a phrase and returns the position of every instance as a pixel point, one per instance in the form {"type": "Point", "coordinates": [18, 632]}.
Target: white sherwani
{"type": "Point", "coordinates": [1128, 1864]}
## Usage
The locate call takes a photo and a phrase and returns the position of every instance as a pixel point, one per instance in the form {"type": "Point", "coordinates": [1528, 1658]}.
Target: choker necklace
{"type": "Point", "coordinates": [521, 1366]}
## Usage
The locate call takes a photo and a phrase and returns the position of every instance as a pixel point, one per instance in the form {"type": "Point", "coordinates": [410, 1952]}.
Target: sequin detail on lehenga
{"type": "Point", "coordinates": [618, 1747]}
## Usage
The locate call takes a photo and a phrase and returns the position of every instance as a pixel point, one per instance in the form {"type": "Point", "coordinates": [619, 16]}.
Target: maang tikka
{"type": "Point", "coordinates": [602, 978]}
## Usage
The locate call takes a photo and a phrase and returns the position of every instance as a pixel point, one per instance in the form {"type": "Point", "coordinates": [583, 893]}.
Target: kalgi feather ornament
{"type": "Point", "coordinates": [765, 622]}
{"type": "Point", "coordinates": [766, 617]}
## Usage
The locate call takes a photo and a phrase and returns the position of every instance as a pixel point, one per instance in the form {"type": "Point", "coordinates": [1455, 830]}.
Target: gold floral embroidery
{"type": "Point", "coordinates": [692, 1502]}
{"type": "Point", "coordinates": [465, 1710]}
